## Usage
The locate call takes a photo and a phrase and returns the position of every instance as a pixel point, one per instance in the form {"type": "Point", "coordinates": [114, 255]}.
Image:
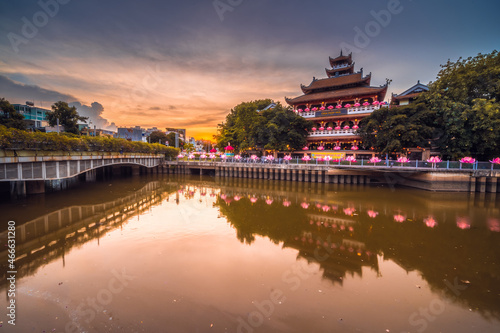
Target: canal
{"type": "Point", "coordinates": [199, 254]}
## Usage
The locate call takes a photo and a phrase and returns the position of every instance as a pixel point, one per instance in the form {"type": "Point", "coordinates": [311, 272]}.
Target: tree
{"type": "Point", "coordinates": [158, 137]}
{"type": "Point", "coordinates": [68, 117]}
{"type": "Point", "coordinates": [393, 130]}
{"type": "Point", "coordinates": [466, 98]}
{"type": "Point", "coordinates": [171, 140]}
{"type": "Point", "coordinates": [9, 117]}
{"type": "Point", "coordinates": [282, 130]}
{"type": "Point", "coordinates": [277, 128]}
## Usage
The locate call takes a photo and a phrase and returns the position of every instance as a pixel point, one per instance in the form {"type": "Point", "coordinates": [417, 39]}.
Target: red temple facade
{"type": "Point", "coordinates": [335, 105]}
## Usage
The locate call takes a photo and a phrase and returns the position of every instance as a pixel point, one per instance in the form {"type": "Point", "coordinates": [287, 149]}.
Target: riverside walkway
{"type": "Point", "coordinates": [444, 176]}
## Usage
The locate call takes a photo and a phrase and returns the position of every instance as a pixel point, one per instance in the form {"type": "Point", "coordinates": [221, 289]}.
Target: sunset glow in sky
{"type": "Point", "coordinates": [186, 63]}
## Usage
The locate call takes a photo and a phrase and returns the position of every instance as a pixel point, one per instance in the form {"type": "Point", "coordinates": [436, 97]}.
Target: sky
{"type": "Point", "coordinates": [186, 63]}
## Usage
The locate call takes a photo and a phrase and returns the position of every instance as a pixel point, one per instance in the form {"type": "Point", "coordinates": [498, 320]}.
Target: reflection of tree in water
{"type": "Point", "coordinates": [435, 242]}
{"type": "Point", "coordinates": [318, 238]}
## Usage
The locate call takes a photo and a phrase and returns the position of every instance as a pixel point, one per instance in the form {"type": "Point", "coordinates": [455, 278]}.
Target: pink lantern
{"type": "Point", "coordinates": [372, 214]}
{"type": "Point", "coordinates": [328, 128]}
{"type": "Point", "coordinates": [269, 201]}
{"type": "Point", "coordinates": [366, 104]}
{"type": "Point", "coordinates": [349, 210]}
{"type": "Point", "coordinates": [463, 223]}
{"type": "Point", "coordinates": [229, 148]}
{"type": "Point", "coordinates": [287, 158]}
{"type": "Point", "coordinates": [304, 205]}
{"type": "Point", "coordinates": [403, 159]}
{"type": "Point", "coordinates": [300, 110]}
{"type": "Point", "coordinates": [434, 160]}
{"type": "Point", "coordinates": [313, 129]}
{"type": "Point", "coordinates": [339, 106]}
{"type": "Point", "coordinates": [321, 148]}
{"type": "Point", "coordinates": [355, 127]}
{"type": "Point", "coordinates": [348, 105]}
{"type": "Point", "coordinates": [346, 127]}
{"type": "Point", "coordinates": [357, 105]}
{"type": "Point", "coordinates": [495, 160]}
{"type": "Point", "coordinates": [351, 159]}
{"type": "Point", "coordinates": [307, 110]}
{"type": "Point", "coordinates": [468, 160]}
{"type": "Point", "coordinates": [315, 109]}
{"type": "Point", "coordinates": [253, 200]}
{"type": "Point", "coordinates": [336, 148]}
{"type": "Point", "coordinates": [354, 148]}
{"type": "Point", "coordinates": [322, 108]}
{"type": "Point", "coordinates": [430, 222]}
{"type": "Point", "coordinates": [286, 203]}
{"type": "Point", "coordinates": [330, 107]}
{"type": "Point", "coordinates": [305, 148]}
{"type": "Point", "coordinates": [376, 103]}
{"type": "Point", "coordinates": [375, 160]}
{"type": "Point", "coordinates": [213, 150]}
{"type": "Point", "coordinates": [321, 128]}
{"type": "Point", "coordinates": [337, 128]}
{"type": "Point", "coordinates": [399, 218]}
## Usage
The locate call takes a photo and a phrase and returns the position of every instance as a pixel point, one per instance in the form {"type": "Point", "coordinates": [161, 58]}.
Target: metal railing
{"type": "Point", "coordinates": [362, 163]}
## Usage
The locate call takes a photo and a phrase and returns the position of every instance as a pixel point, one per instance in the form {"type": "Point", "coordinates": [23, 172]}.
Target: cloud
{"type": "Point", "coordinates": [94, 113]}
{"type": "Point", "coordinates": [16, 92]}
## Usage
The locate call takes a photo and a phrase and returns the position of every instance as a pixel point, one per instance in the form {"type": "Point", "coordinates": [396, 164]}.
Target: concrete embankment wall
{"type": "Point", "coordinates": [431, 180]}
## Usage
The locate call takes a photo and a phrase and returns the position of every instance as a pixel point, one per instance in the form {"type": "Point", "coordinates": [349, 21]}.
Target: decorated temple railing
{"type": "Point", "coordinates": [339, 112]}
{"type": "Point", "coordinates": [345, 65]}
{"type": "Point", "coordinates": [342, 132]}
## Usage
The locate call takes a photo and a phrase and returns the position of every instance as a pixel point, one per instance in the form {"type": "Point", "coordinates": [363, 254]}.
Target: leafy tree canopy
{"type": "Point", "coordinates": [460, 114]}
{"type": "Point", "coordinates": [278, 128]}
{"type": "Point", "coordinates": [68, 117]}
{"type": "Point", "coordinates": [171, 140]}
{"type": "Point", "coordinates": [158, 137]}
{"type": "Point", "coordinates": [393, 130]}
{"type": "Point", "coordinates": [465, 97]}
{"type": "Point", "coordinates": [9, 117]}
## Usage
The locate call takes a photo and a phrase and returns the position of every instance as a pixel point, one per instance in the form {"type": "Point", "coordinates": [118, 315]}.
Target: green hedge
{"type": "Point", "coordinates": [16, 139]}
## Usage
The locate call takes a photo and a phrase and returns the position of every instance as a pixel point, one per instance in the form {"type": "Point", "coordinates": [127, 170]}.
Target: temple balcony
{"type": "Point", "coordinates": [345, 65]}
{"type": "Point", "coordinates": [326, 133]}
{"type": "Point", "coordinates": [343, 111]}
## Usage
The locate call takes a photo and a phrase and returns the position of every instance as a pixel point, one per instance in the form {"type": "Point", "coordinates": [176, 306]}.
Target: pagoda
{"type": "Point", "coordinates": [335, 105]}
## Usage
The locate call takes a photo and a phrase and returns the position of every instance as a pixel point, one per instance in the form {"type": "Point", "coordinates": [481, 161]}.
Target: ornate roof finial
{"type": "Point", "coordinates": [341, 52]}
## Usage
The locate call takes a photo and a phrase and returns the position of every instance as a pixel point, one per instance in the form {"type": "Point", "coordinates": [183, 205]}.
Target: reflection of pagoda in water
{"type": "Point", "coordinates": [344, 232]}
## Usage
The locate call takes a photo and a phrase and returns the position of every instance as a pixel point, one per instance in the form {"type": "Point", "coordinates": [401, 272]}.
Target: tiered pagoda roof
{"type": "Point", "coordinates": [342, 84]}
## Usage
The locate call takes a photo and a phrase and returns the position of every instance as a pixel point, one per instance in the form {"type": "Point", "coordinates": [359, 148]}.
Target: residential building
{"type": "Point", "coordinates": [34, 117]}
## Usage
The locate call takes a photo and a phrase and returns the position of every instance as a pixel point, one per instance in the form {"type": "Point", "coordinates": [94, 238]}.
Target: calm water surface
{"type": "Point", "coordinates": [200, 255]}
